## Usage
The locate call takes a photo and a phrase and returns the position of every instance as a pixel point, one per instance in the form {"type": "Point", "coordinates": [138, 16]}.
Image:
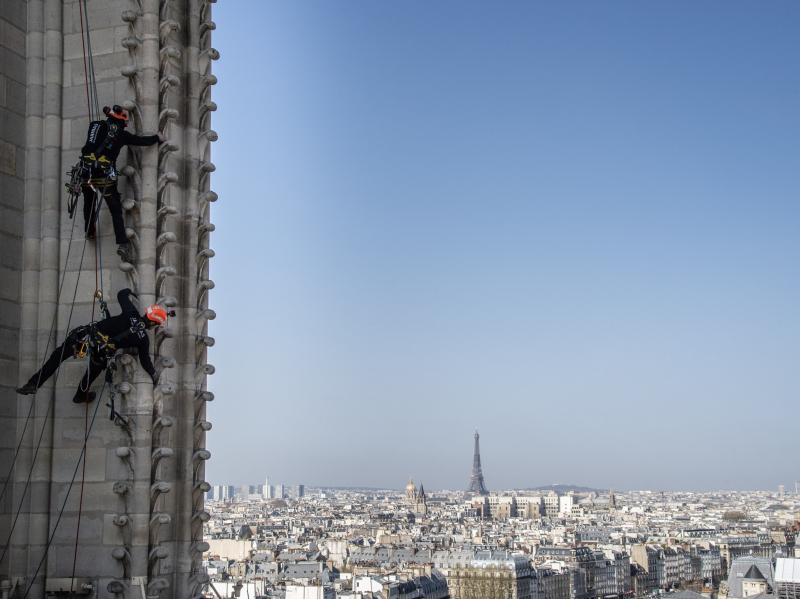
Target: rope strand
{"type": "Point", "coordinates": [94, 112]}
{"type": "Point", "coordinates": [85, 65]}
{"type": "Point", "coordinates": [46, 417]}
{"type": "Point", "coordinates": [44, 359]}
{"type": "Point", "coordinates": [88, 386]}
{"type": "Point", "coordinates": [64, 505]}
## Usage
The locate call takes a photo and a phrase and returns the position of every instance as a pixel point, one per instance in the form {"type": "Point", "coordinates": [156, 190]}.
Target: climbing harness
{"type": "Point", "coordinates": [94, 341]}
{"type": "Point", "coordinates": [96, 158]}
{"type": "Point", "coordinates": [89, 164]}
{"type": "Point", "coordinates": [81, 175]}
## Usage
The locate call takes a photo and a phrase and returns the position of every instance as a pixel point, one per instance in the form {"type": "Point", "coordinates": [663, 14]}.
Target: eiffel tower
{"type": "Point", "coordinates": [476, 484]}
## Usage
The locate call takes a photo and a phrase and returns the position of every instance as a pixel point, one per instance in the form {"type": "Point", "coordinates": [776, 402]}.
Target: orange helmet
{"type": "Point", "coordinates": [117, 112]}
{"type": "Point", "coordinates": [157, 314]}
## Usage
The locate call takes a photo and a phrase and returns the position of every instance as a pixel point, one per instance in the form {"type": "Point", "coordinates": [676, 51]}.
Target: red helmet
{"type": "Point", "coordinates": [117, 112]}
{"type": "Point", "coordinates": [157, 314]}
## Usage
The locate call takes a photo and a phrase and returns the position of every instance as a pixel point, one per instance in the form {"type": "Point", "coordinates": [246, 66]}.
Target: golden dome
{"type": "Point", "coordinates": [410, 486]}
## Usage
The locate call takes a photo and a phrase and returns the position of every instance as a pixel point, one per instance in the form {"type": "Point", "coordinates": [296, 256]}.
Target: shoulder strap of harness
{"type": "Point", "coordinates": [108, 345]}
{"type": "Point", "coordinates": [139, 326]}
{"type": "Point", "coordinates": [99, 150]}
{"type": "Point", "coordinates": [113, 131]}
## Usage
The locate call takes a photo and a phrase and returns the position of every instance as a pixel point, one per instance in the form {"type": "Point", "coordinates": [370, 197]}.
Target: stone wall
{"type": "Point", "coordinates": [142, 502]}
{"type": "Point", "coordinates": [13, 24]}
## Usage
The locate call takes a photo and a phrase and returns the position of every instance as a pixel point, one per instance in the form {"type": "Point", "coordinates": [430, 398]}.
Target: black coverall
{"type": "Point", "coordinates": [101, 157]}
{"type": "Point", "coordinates": [110, 327]}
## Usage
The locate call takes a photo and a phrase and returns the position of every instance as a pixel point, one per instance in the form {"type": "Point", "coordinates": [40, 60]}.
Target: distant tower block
{"type": "Point", "coordinates": [476, 484]}
{"type": "Point", "coordinates": [781, 490]}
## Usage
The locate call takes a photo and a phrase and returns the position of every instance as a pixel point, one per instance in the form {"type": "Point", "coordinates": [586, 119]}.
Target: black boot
{"type": "Point", "coordinates": [80, 397]}
{"type": "Point", "coordinates": [123, 253]}
{"type": "Point", "coordinates": [27, 389]}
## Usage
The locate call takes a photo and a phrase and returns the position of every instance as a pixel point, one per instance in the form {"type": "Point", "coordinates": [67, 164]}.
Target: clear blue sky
{"type": "Point", "coordinates": [574, 225]}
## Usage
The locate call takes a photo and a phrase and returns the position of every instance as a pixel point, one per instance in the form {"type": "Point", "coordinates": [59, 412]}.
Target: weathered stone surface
{"type": "Point", "coordinates": [47, 283]}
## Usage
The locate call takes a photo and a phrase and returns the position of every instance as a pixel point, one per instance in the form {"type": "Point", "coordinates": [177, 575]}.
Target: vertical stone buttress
{"type": "Point", "coordinates": [41, 239]}
{"type": "Point", "coordinates": [142, 513]}
{"type": "Point", "coordinates": [13, 80]}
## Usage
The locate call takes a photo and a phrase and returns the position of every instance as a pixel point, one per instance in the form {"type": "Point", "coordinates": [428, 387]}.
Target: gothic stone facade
{"type": "Point", "coordinates": [142, 508]}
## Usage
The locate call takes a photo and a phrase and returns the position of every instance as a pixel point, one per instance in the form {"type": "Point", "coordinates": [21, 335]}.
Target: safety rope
{"type": "Point", "coordinates": [86, 428]}
{"type": "Point", "coordinates": [44, 359]}
{"type": "Point", "coordinates": [88, 64]}
{"type": "Point", "coordinates": [69, 490]}
{"type": "Point", "coordinates": [33, 403]}
{"type": "Point", "coordinates": [94, 112]}
{"type": "Point", "coordinates": [92, 77]}
{"type": "Point", "coordinates": [98, 265]}
{"type": "Point", "coordinates": [50, 406]}
{"type": "Point", "coordinates": [93, 106]}
{"type": "Point", "coordinates": [83, 474]}
{"type": "Point", "coordinates": [85, 65]}
{"type": "Point", "coordinates": [50, 403]}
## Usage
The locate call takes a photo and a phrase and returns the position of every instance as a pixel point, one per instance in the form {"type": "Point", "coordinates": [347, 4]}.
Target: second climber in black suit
{"type": "Point", "coordinates": [101, 340]}
{"type": "Point", "coordinates": [103, 144]}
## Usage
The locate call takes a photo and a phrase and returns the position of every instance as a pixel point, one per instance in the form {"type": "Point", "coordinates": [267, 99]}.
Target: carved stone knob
{"type": "Point", "coordinates": [115, 586]}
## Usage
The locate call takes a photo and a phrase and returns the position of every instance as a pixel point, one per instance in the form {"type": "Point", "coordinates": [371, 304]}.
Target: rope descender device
{"type": "Point", "coordinates": [82, 351]}
{"type": "Point", "coordinates": [103, 306]}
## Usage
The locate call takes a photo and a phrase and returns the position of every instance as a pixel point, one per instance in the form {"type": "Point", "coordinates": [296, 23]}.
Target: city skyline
{"type": "Point", "coordinates": [778, 487]}
{"type": "Point", "coordinates": [420, 545]}
{"type": "Point", "coordinates": [543, 489]}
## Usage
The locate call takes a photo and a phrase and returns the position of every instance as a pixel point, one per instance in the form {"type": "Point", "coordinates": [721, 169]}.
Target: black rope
{"type": "Point", "coordinates": [94, 111]}
{"type": "Point", "coordinates": [96, 223]}
{"type": "Point", "coordinates": [44, 359]}
{"type": "Point", "coordinates": [95, 108]}
{"type": "Point", "coordinates": [47, 414]}
{"type": "Point", "coordinates": [69, 490]}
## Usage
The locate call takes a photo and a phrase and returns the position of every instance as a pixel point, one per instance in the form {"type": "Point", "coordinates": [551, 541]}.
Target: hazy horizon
{"type": "Point", "coordinates": [789, 493]}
